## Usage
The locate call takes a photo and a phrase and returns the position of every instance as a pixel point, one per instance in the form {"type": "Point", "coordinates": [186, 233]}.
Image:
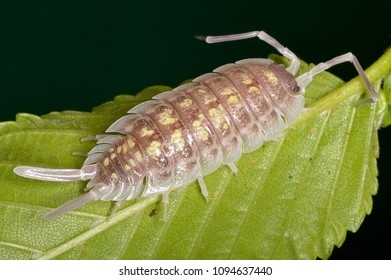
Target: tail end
{"type": "Point", "coordinates": [56, 175]}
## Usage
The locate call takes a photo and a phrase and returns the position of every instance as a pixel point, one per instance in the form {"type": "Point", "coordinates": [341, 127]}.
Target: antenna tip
{"type": "Point", "coordinates": [201, 37]}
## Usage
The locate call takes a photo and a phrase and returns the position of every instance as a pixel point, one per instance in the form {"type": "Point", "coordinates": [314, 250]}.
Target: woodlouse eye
{"type": "Point", "coordinates": [296, 89]}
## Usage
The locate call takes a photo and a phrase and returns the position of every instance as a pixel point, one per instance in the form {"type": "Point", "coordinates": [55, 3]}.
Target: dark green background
{"type": "Point", "coordinates": [59, 55]}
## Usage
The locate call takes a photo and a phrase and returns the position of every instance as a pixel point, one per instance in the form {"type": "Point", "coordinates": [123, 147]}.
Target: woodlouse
{"type": "Point", "coordinates": [189, 132]}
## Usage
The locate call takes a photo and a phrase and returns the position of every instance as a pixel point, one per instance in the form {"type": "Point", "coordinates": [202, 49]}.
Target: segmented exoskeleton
{"type": "Point", "coordinates": [189, 132]}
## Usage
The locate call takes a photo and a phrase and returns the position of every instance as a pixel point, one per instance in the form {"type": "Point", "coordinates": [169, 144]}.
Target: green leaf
{"type": "Point", "coordinates": [294, 198]}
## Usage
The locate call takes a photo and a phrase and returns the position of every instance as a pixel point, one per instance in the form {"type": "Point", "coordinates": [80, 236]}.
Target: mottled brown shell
{"type": "Point", "coordinates": [191, 131]}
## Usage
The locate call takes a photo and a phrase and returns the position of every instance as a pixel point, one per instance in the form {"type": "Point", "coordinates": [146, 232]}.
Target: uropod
{"type": "Point", "coordinates": [186, 133]}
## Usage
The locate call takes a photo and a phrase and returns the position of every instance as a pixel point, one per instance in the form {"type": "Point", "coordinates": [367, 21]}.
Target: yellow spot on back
{"type": "Point", "coordinates": [271, 77]}
{"type": "Point", "coordinates": [198, 122]}
{"type": "Point", "coordinates": [119, 149]}
{"type": "Point", "coordinates": [253, 89]}
{"type": "Point", "coordinates": [201, 132]}
{"type": "Point", "coordinates": [113, 155]}
{"type": "Point", "coordinates": [154, 148]}
{"type": "Point", "coordinates": [127, 167]}
{"type": "Point", "coordinates": [146, 132]}
{"type": "Point", "coordinates": [166, 118]}
{"type": "Point", "coordinates": [246, 79]}
{"type": "Point", "coordinates": [138, 156]}
{"type": "Point", "coordinates": [177, 139]}
{"type": "Point", "coordinates": [201, 90]}
{"type": "Point", "coordinates": [114, 175]}
{"type": "Point", "coordinates": [216, 115]}
{"type": "Point", "coordinates": [233, 99]}
{"type": "Point", "coordinates": [106, 162]}
{"type": "Point", "coordinates": [124, 148]}
{"type": "Point", "coordinates": [227, 91]}
{"type": "Point", "coordinates": [132, 162]}
{"type": "Point", "coordinates": [130, 143]}
{"type": "Point", "coordinates": [187, 102]}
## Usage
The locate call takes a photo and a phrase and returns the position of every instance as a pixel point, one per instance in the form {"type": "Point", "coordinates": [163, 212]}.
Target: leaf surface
{"type": "Point", "coordinates": [294, 198]}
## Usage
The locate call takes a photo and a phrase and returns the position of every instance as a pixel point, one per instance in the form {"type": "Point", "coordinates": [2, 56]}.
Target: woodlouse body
{"type": "Point", "coordinates": [189, 132]}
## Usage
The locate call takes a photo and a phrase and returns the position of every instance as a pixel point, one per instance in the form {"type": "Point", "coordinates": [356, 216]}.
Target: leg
{"type": "Point", "coordinates": [202, 184]}
{"type": "Point", "coordinates": [233, 168]}
{"type": "Point", "coordinates": [91, 138]}
{"type": "Point", "coordinates": [306, 78]}
{"type": "Point", "coordinates": [295, 63]}
{"type": "Point", "coordinates": [80, 154]}
{"type": "Point", "coordinates": [204, 190]}
{"type": "Point", "coordinates": [165, 205]}
{"type": "Point", "coordinates": [115, 208]}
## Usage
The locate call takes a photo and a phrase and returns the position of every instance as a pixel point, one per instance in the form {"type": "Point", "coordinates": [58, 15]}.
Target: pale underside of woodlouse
{"type": "Point", "coordinates": [184, 134]}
